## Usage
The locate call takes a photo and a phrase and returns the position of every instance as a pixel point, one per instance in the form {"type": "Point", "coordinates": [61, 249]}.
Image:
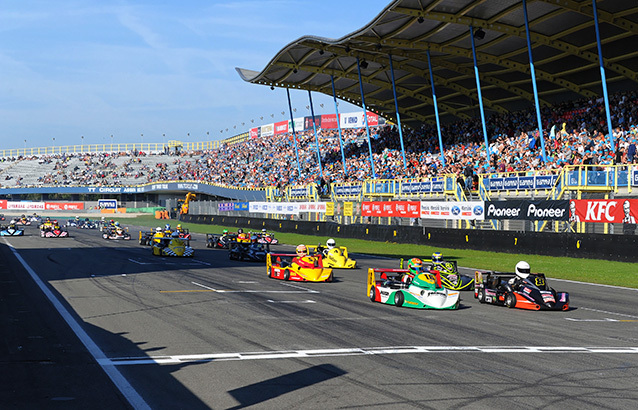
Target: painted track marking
{"type": "Point", "coordinates": [608, 313]}
{"type": "Point", "coordinates": [290, 301]}
{"type": "Point", "coordinates": [289, 354]}
{"type": "Point", "coordinates": [301, 290]}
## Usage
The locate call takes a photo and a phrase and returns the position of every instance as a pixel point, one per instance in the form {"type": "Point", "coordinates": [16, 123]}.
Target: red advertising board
{"type": "Point", "coordinates": [373, 119]}
{"type": "Point", "coordinates": [64, 206]}
{"type": "Point", "coordinates": [3, 204]}
{"type": "Point", "coordinates": [253, 133]}
{"type": "Point", "coordinates": [281, 127]}
{"type": "Point", "coordinates": [604, 210]}
{"type": "Point", "coordinates": [329, 121]}
{"type": "Point", "coordinates": [405, 209]}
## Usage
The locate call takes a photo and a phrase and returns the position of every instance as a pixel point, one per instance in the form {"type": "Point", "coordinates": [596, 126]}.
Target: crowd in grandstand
{"type": "Point", "coordinates": [574, 134]}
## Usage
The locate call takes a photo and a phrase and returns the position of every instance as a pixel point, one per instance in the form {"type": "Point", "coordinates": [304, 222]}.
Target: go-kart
{"type": "Point", "coordinates": [146, 237]}
{"type": "Point", "coordinates": [35, 218]}
{"type": "Point", "coordinates": [336, 257]}
{"type": "Point", "coordinates": [116, 233]}
{"type": "Point", "coordinates": [220, 241]}
{"type": "Point", "coordinates": [55, 231]}
{"type": "Point", "coordinates": [450, 276]}
{"type": "Point", "coordinates": [22, 221]}
{"type": "Point", "coordinates": [82, 223]}
{"type": "Point", "coordinates": [11, 230]}
{"type": "Point", "coordinates": [264, 237]}
{"type": "Point", "coordinates": [254, 252]}
{"type": "Point", "coordinates": [172, 247]}
{"type": "Point", "coordinates": [425, 291]}
{"type": "Point", "coordinates": [287, 266]}
{"type": "Point", "coordinates": [507, 289]}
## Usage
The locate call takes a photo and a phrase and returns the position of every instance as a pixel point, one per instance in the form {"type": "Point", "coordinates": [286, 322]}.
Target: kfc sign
{"type": "Point", "coordinates": [603, 210]}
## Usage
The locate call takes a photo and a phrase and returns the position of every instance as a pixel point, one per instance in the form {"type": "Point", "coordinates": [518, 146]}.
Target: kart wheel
{"type": "Point", "coordinates": [373, 294]}
{"type": "Point", "coordinates": [480, 295]}
{"type": "Point", "coordinates": [398, 299]}
{"type": "Point", "coordinates": [141, 242]}
{"type": "Point", "coordinates": [105, 236]}
{"type": "Point", "coordinates": [286, 274]}
{"type": "Point", "coordinates": [510, 300]}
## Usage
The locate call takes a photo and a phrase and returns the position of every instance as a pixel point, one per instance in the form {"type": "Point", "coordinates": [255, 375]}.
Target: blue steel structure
{"type": "Point", "coordinates": [436, 109]}
{"type": "Point", "coordinates": [334, 97]}
{"type": "Point", "coordinates": [396, 105]}
{"type": "Point", "coordinates": [314, 127]}
{"type": "Point", "coordinates": [603, 77]}
{"type": "Point", "coordinates": [294, 134]}
{"type": "Point", "coordinates": [533, 73]}
{"type": "Point", "coordinates": [480, 97]}
{"type": "Point", "coordinates": [365, 118]}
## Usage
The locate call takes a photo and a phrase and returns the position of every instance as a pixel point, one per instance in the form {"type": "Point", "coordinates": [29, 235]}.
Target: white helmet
{"type": "Point", "coordinates": [158, 229]}
{"type": "Point", "coordinates": [522, 269]}
{"type": "Point", "coordinates": [330, 243]}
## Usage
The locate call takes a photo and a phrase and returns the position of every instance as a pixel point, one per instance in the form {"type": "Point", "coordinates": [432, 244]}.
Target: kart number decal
{"type": "Point", "coordinates": [539, 281]}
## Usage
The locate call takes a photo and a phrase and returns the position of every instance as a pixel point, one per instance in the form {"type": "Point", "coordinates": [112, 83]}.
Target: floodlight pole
{"type": "Point", "coordinates": [480, 98]}
{"type": "Point", "coordinates": [533, 72]}
{"type": "Point", "coordinates": [436, 109]}
{"type": "Point", "coordinates": [314, 126]}
{"type": "Point", "coordinates": [365, 118]}
{"type": "Point", "coordinates": [334, 96]}
{"type": "Point", "coordinates": [603, 78]}
{"type": "Point", "coordinates": [294, 135]}
{"type": "Point", "coordinates": [396, 106]}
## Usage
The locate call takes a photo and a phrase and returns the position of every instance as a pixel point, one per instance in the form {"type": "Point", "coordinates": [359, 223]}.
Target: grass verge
{"type": "Point", "coordinates": [586, 270]}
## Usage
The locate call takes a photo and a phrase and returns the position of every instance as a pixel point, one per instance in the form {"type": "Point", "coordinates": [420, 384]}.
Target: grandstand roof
{"type": "Point", "coordinates": [564, 50]}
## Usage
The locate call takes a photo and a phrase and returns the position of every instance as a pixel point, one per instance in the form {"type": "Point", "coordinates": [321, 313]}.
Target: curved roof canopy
{"type": "Point", "coordinates": [563, 42]}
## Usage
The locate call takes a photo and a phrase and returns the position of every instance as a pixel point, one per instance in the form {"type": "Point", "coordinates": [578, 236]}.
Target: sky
{"type": "Point", "coordinates": [81, 71]}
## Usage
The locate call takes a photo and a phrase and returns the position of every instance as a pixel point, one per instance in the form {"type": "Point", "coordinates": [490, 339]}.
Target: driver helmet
{"type": "Point", "coordinates": [330, 243]}
{"type": "Point", "coordinates": [437, 257]}
{"type": "Point", "coordinates": [23, 216]}
{"type": "Point", "coordinates": [117, 224]}
{"type": "Point", "coordinates": [167, 227]}
{"type": "Point", "coordinates": [102, 218]}
{"type": "Point", "coordinates": [415, 265]}
{"type": "Point", "coordinates": [77, 216]}
{"type": "Point", "coordinates": [254, 238]}
{"type": "Point", "coordinates": [225, 231]}
{"type": "Point", "coordinates": [522, 269]}
{"type": "Point", "coordinates": [302, 250]}
{"type": "Point", "coordinates": [111, 221]}
{"type": "Point", "coordinates": [158, 229]}
{"type": "Point", "coordinates": [175, 234]}
{"type": "Point", "coordinates": [179, 226]}
{"type": "Point", "coordinates": [264, 230]}
{"type": "Point", "coordinates": [240, 230]}
{"type": "Point", "coordinates": [48, 219]}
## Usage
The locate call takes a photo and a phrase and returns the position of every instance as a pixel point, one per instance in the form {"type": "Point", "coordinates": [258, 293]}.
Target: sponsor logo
{"type": "Point", "coordinates": [540, 213]}
{"type": "Point", "coordinates": [596, 211]}
{"type": "Point", "coordinates": [456, 210]}
{"type": "Point", "coordinates": [502, 212]}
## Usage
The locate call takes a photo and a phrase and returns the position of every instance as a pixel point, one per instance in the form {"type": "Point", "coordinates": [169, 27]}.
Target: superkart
{"type": "Point", "coordinates": [507, 289]}
{"type": "Point", "coordinates": [287, 266]}
{"type": "Point", "coordinates": [53, 232]}
{"type": "Point", "coordinates": [11, 230]}
{"type": "Point", "coordinates": [450, 276]}
{"type": "Point", "coordinates": [265, 238]}
{"type": "Point", "coordinates": [336, 257]}
{"type": "Point", "coordinates": [116, 233]}
{"type": "Point", "coordinates": [220, 241]}
{"type": "Point", "coordinates": [425, 291]}
{"type": "Point", "coordinates": [82, 223]}
{"type": "Point", "coordinates": [253, 252]}
{"type": "Point", "coordinates": [174, 247]}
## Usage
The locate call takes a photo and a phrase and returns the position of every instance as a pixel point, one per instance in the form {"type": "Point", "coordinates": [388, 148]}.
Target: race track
{"type": "Point", "coordinates": [208, 332]}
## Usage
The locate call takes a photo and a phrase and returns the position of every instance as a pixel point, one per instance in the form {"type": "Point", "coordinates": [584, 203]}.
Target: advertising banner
{"type": "Point", "coordinates": [402, 209]}
{"type": "Point", "coordinates": [268, 130]}
{"type": "Point", "coordinates": [307, 122]}
{"type": "Point", "coordinates": [286, 208]}
{"type": "Point", "coordinates": [515, 183]}
{"type": "Point", "coordinates": [356, 120]}
{"type": "Point", "coordinates": [64, 206]}
{"type": "Point", "coordinates": [281, 127]}
{"type": "Point", "coordinates": [3, 204]}
{"type": "Point", "coordinates": [225, 206]}
{"type": "Point", "coordinates": [528, 210]}
{"type": "Point", "coordinates": [348, 208]}
{"type": "Point", "coordinates": [348, 190]}
{"type": "Point", "coordinates": [604, 210]}
{"type": "Point", "coordinates": [468, 210]}
{"type": "Point", "coordinates": [254, 133]}
{"type": "Point", "coordinates": [330, 208]}
{"type": "Point", "coordinates": [329, 122]}
{"type": "Point", "coordinates": [107, 203]}
{"type": "Point", "coordinates": [25, 205]}
{"type": "Point", "coordinates": [240, 206]}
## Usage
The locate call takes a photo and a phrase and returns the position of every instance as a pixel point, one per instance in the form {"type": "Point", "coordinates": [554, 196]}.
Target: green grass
{"type": "Point", "coordinates": [586, 270]}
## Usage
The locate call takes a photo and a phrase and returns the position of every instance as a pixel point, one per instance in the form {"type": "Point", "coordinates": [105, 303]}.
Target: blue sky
{"type": "Point", "coordinates": [73, 68]}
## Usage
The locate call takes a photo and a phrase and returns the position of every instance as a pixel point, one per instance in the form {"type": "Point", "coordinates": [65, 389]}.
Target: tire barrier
{"type": "Point", "coordinates": [591, 246]}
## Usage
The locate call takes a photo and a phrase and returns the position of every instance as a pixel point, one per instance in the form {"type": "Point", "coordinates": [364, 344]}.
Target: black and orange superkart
{"type": "Point", "coordinates": [507, 289]}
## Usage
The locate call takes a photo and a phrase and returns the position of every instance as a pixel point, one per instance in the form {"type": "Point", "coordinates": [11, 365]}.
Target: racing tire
{"type": "Point", "coordinates": [373, 294]}
{"type": "Point", "coordinates": [510, 300]}
{"type": "Point", "coordinates": [480, 295]}
{"type": "Point", "coordinates": [286, 274]}
{"type": "Point", "coordinates": [105, 236]}
{"type": "Point", "coordinates": [398, 299]}
{"type": "Point", "coordinates": [141, 242]}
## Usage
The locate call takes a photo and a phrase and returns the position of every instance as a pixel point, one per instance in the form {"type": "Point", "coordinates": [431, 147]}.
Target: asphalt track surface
{"type": "Point", "coordinates": [138, 331]}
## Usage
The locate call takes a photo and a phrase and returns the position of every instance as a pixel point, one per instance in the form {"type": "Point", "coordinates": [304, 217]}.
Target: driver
{"type": "Point", "coordinates": [522, 271]}
{"type": "Point", "coordinates": [302, 260]}
{"type": "Point", "coordinates": [415, 267]}
{"type": "Point", "coordinates": [179, 229]}
{"type": "Point", "coordinates": [175, 239]}
{"type": "Point", "coordinates": [157, 237]}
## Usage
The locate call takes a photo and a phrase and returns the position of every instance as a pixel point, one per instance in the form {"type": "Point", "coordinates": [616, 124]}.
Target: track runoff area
{"type": "Point", "coordinates": [208, 332]}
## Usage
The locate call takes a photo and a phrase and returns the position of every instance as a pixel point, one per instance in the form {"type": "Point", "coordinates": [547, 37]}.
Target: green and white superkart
{"type": "Point", "coordinates": [424, 291]}
{"type": "Point", "coordinates": [450, 276]}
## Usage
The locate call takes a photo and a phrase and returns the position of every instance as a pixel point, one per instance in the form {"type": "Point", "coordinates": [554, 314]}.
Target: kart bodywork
{"type": "Point", "coordinates": [248, 251]}
{"type": "Point", "coordinates": [282, 266]}
{"type": "Point", "coordinates": [11, 230]}
{"type": "Point", "coordinates": [425, 291]}
{"type": "Point", "coordinates": [173, 247]}
{"type": "Point", "coordinates": [55, 232]}
{"type": "Point", "coordinates": [220, 241]}
{"type": "Point", "coordinates": [265, 238]}
{"type": "Point", "coordinates": [506, 289]}
{"type": "Point", "coordinates": [450, 276]}
{"type": "Point", "coordinates": [23, 221]}
{"type": "Point", "coordinates": [336, 257]}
